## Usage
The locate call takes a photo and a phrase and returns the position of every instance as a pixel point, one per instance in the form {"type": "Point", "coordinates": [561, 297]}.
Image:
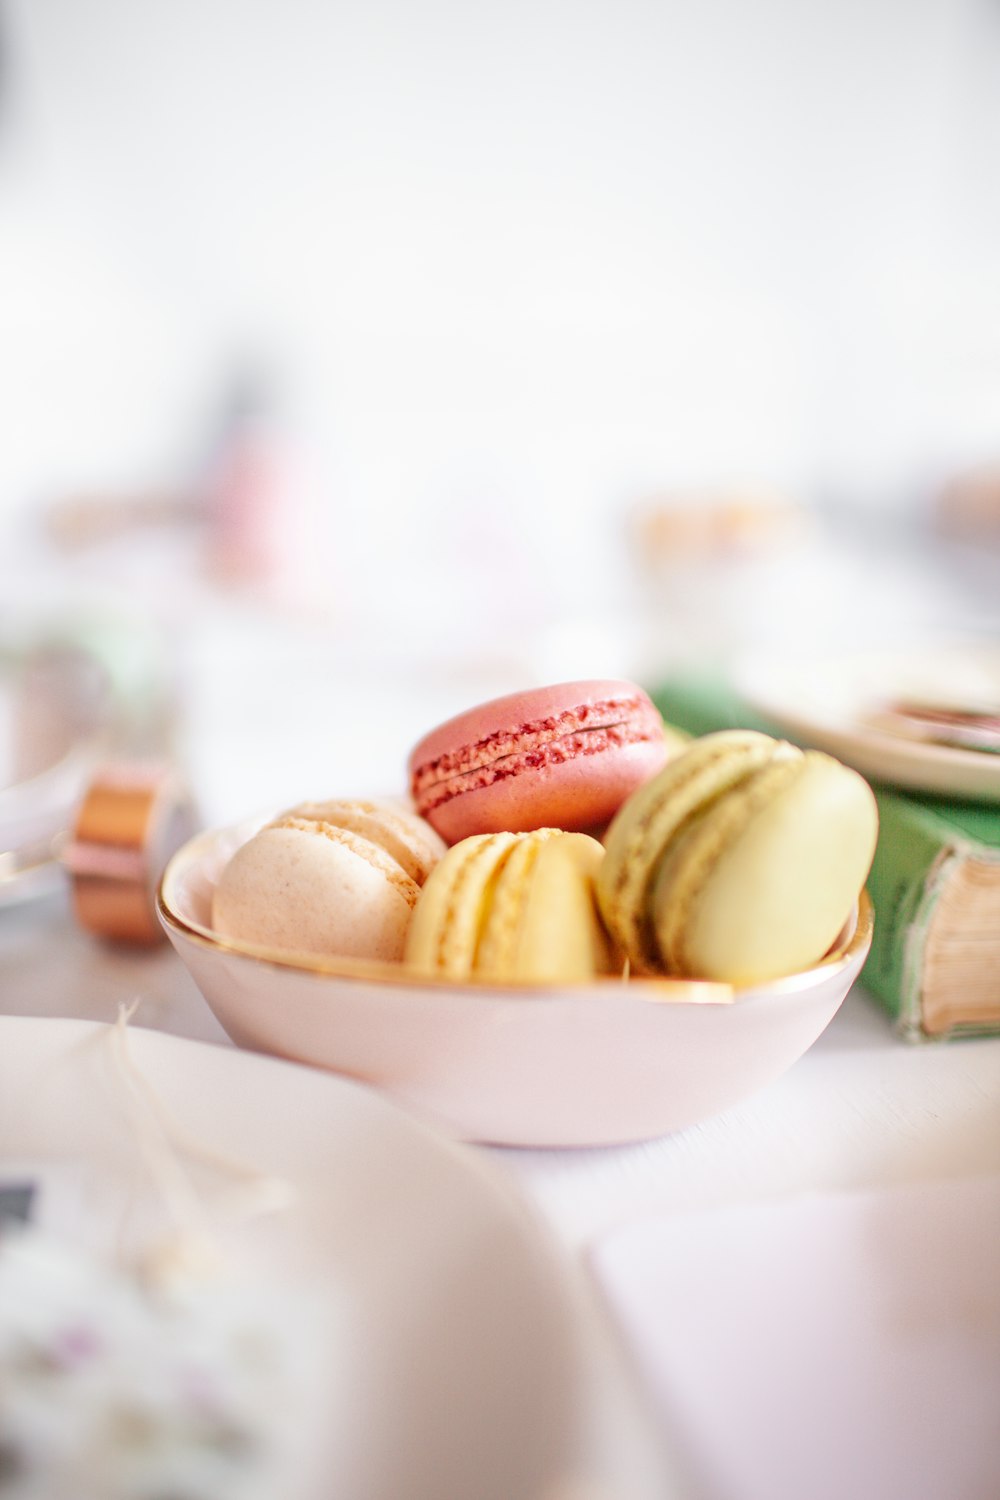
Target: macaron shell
{"type": "Point", "coordinates": [764, 884]}
{"type": "Point", "coordinates": [560, 938]}
{"type": "Point", "coordinates": [339, 895]}
{"type": "Point", "coordinates": [510, 896]}
{"type": "Point", "coordinates": [397, 829]}
{"type": "Point", "coordinates": [447, 922]}
{"type": "Point", "coordinates": [542, 925]}
{"type": "Point", "coordinates": [564, 756]}
{"type": "Point", "coordinates": [655, 814]}
{"type": "Point", "coordinates": [692, 857]}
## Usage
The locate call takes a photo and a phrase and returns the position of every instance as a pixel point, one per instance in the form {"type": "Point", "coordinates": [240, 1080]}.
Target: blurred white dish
{"type": "Point", "coordinates": [457, 1378]}
{"type": "Point", "coordinates": [825, 701]}
{"type": "Point", "coordinates": [54, 726]}
{"type": "Point", "coordinates": [35, 815]}
{"type": "Point", "coordinates": [540, 1066]}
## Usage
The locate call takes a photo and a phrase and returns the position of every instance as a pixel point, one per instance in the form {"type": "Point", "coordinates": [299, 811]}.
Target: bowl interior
{"type": "Point", "coordinates": [185, 903]}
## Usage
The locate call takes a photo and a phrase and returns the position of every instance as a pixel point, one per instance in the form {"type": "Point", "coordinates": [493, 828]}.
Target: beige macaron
{"type": "Point", "coordinates": [333, 879]}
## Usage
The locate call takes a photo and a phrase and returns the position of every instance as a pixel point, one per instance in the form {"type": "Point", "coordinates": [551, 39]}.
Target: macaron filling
{"type": "Point", "coordinates": [551, 741]}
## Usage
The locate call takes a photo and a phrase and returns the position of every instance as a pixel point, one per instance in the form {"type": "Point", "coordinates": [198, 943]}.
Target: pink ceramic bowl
{"type": "Point", "coordinates": [596, 1064]}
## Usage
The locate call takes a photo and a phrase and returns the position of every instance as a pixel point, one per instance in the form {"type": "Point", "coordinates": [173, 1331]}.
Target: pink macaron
{"type": "Point", "coordinates": [555, 757]}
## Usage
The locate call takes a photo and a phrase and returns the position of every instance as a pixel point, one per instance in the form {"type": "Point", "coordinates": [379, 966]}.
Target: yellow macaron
{"type": "Point", "coordinates": [512, 907]}
{"type": "Point", "coordinates": [741, 861]}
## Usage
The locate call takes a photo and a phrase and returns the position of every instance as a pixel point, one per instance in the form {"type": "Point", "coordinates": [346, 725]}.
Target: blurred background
{"type": "Point", "coordinates": [470, 345]}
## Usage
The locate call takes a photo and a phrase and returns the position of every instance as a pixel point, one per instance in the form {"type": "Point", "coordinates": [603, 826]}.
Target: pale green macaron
{"type": "Point", "coordinates": [741, 861]}
{"type": "Point", "coordinates": [515, 907]}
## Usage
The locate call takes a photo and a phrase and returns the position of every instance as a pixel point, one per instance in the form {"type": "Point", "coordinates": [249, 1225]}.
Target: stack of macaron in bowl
{"type": "Point", "coordinates": [579, 927]}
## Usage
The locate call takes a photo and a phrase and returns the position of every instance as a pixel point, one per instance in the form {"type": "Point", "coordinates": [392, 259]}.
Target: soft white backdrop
{"type": "Point", "coordinates": [509, 267]}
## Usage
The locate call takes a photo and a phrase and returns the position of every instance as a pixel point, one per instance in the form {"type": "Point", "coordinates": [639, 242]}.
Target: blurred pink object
{"type": "Point", "coordinates": [244, 492]}
{"type": "Point", "coordinates": [259, 502]}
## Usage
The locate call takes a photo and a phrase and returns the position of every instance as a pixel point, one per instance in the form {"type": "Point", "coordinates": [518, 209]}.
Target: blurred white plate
{"type": "Point", "coordinates": [824, 702]}
{"type": "Point", "coordinates": [461, 1382]}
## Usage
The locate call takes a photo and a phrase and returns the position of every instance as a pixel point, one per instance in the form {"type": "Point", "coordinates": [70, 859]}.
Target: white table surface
{"type": "Point", "coordinates": [862, 1110]}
